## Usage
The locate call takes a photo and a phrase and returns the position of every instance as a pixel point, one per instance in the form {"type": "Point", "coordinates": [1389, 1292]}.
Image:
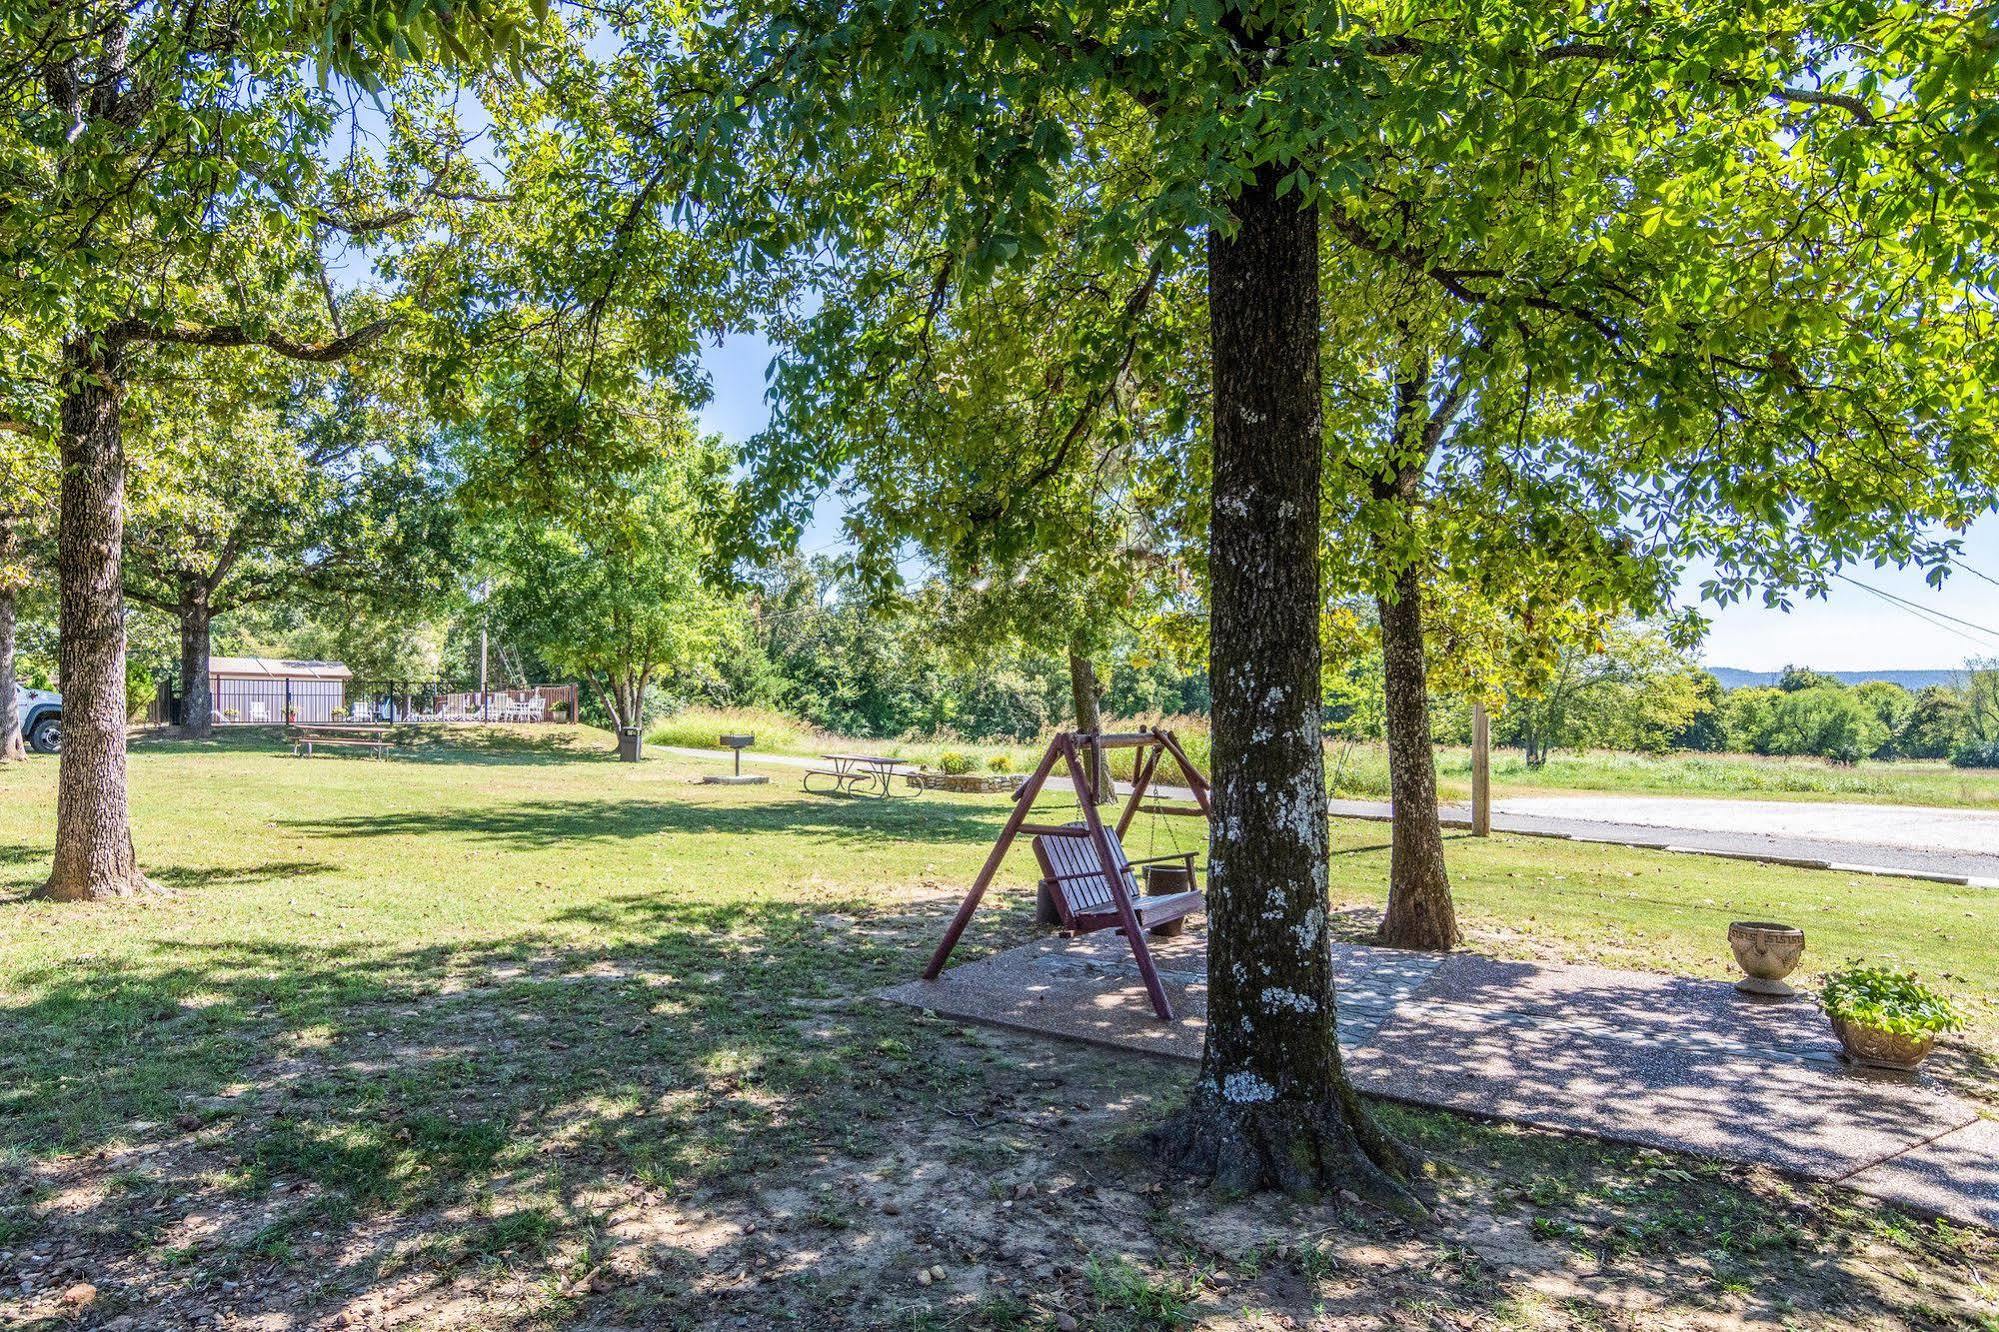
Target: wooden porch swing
{"type": "Point", "coordinates": [1086, 876]}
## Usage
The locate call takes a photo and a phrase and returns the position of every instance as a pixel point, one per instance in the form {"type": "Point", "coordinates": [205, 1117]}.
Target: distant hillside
{"type": "Point", "coordinates": [1731, 678]}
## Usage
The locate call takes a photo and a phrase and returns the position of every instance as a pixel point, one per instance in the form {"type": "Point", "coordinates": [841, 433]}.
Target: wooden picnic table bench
{"type": "Point", "coordinates": [374, 739]}
{"type": "Point", "coordinates": [860, 774]}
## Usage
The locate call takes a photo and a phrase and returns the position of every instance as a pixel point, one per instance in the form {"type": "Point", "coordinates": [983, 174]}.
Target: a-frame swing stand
{"type": "Point", "coordinates": [1105, 843]}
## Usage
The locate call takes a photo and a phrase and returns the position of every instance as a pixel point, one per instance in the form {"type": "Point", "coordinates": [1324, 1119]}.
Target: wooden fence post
{"type": "Point", "coordinates": [1481, 771]}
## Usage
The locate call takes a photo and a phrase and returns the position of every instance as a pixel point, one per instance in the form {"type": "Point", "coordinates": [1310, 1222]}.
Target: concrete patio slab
{"type": "Point", "coordinates": [1816, 1122]}
{"type": "Point", "coordinates": [1955, 1176]}
{"type": "Point", "coordinates": [1657, 1061]}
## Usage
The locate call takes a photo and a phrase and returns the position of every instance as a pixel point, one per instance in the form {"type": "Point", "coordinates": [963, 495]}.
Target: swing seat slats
{"type": "Point", "coordinates": [1081, 894]}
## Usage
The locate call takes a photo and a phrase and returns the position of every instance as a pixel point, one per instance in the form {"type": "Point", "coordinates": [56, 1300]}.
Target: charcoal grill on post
{"type": "Point", "coordinates": [738, 743]}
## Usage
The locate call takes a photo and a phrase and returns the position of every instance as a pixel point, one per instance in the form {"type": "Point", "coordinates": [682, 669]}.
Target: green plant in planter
{"type": "Point", "coordinates": [1888, 1000]}
{"type": "Point", "coordinates": [954, 764]}
{"type": "Point", "coordinates": [1000, 763]}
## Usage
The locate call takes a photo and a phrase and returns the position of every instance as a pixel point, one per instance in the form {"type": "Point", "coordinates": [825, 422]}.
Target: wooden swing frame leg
{"type": "Point", "coordinates": [1134, 933]}
{"type": "Point", "coordinates": [1023, 801]}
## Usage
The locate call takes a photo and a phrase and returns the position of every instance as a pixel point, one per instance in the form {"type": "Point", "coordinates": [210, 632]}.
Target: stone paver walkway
{"type": "Point", "coordinates": [1657, 1061]}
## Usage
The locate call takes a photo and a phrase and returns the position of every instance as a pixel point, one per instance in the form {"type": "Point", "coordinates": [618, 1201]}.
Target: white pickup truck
{"type": "Point", "coordinates": [41, 719]}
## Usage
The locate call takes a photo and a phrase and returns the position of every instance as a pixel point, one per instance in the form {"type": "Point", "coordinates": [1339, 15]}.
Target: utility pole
{"type": "Point", "coordinates": [485, 710]}
{"type": "Point", "coordinates": [1481, 771]}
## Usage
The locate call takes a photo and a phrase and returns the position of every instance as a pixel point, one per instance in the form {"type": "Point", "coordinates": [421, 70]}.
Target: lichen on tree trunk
{"type": "Point", "coordinates": [1420, 912]}
{"type": "Point", "coordinates": [1272, 1107]}
{"type": "Point", "coordinates": [93, 855]}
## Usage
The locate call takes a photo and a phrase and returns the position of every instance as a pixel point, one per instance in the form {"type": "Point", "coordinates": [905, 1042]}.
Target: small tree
{"type": "Point", "coordinates": [1893, 706]}
{"type": "Point", "coordinates": [1938, 722]}
{"type": "Point", "coordinates": [1825, 720]}
{"type": "Point", "coordinates": [1635, 690]}
{"type": "Point", "coordinates": [1981, 699]}
{"type": "Point", "coordinates": [1703, 731]}
{"type": "Point", "coordinates": [610, 588]}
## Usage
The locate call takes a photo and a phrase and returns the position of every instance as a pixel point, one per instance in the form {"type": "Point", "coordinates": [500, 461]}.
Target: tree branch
{"type": "Point", "coordinates": [235, 335]}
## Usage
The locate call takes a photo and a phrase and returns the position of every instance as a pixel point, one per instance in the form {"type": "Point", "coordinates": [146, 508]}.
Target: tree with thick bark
{"type": "Point", "coordinates": [1215, 142]}
{"type": "Point", "coordinates": [170, 175]}
{"type": "Point", "coordinates": [1272, 1105]}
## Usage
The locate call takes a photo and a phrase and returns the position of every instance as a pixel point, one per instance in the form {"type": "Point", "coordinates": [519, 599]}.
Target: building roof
{"type": "Point", "coordinates": [279, 669]}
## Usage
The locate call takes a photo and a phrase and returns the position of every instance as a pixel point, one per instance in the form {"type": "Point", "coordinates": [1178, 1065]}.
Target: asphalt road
{"type": "Point", "coordinates": [1950, 844]}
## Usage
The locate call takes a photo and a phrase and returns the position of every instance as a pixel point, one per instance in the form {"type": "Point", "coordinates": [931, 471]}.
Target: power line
{"type": "Point", "coordinates": [1910, 608]}
{"type": "Point", "coordinates": [1969, 624]}
{"type": "Point", "coordinates": [1975, 573]}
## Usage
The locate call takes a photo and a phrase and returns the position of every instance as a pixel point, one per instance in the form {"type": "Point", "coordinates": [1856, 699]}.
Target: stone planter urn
{"type": "Point", "coordinates": [1882, 1049]}
{"type": "Point", "coordinates": [1766, 953]}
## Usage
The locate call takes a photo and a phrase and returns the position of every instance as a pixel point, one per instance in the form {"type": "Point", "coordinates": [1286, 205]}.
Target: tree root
{"type": "Point", "coordinates": [1418, 932]}
{"type": "Point", "coordinates": [138, 885]}
{"type": "Point", "coordinates": [1304, 1150]}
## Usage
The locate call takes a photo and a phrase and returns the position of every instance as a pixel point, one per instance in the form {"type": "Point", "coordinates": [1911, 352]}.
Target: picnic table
{"type": "Point", "coordinates": [374, 739]}
{"type": "Point", "coordinates": [860, 774]}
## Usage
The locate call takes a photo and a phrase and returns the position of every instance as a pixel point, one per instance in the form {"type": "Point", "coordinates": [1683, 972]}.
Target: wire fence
{"type": "Point", "coordinates": [381, 701]}
{"type": "Point", "coordinates": [332, 702]}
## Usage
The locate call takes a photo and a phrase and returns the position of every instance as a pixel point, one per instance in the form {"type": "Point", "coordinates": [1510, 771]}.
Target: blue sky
{"type": "Point", "coordinates": [1850, 630]}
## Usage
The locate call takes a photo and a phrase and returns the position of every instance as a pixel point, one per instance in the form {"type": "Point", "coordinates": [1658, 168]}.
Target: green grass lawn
{"type": "Point", "coordinates": [503, 1034]}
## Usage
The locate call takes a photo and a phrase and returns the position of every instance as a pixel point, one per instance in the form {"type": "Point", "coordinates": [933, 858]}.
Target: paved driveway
{"type": "Point", "coordinates": [1952, 844]}
{"type": "Point", "coordinates": [1974, 831]}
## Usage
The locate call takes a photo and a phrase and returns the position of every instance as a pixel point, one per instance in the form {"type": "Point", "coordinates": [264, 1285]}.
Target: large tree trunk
{"type": "Point", "coordinates": [1420, 913]}
{"type": "Point", "coordinates": [1272, 1106]}
{"type": "Point", "coordinates": [197, 702]}
{"type": "Point", "coordinates": [94, 856]}
{"type": "Point", "coordinates": [1085, 695]}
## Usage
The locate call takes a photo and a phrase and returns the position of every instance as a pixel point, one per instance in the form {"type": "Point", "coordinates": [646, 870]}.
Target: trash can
{"type": "Point", "coordinates": [628, 744]}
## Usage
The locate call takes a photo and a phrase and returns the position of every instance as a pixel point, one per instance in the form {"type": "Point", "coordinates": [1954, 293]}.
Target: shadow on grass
{"type": "Point", "coordinates": [352, 1115]}
{"type": "Point", "coordinates": [433, 1100]}
{"type": "Point", "coordinates": [540, 823]}
{"type": "Point", "coordinates": [445, 744]}
{"type": "Point", "coordinates": [209, 876]}
{"type": "Point", "coordinates": [412, 743]}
